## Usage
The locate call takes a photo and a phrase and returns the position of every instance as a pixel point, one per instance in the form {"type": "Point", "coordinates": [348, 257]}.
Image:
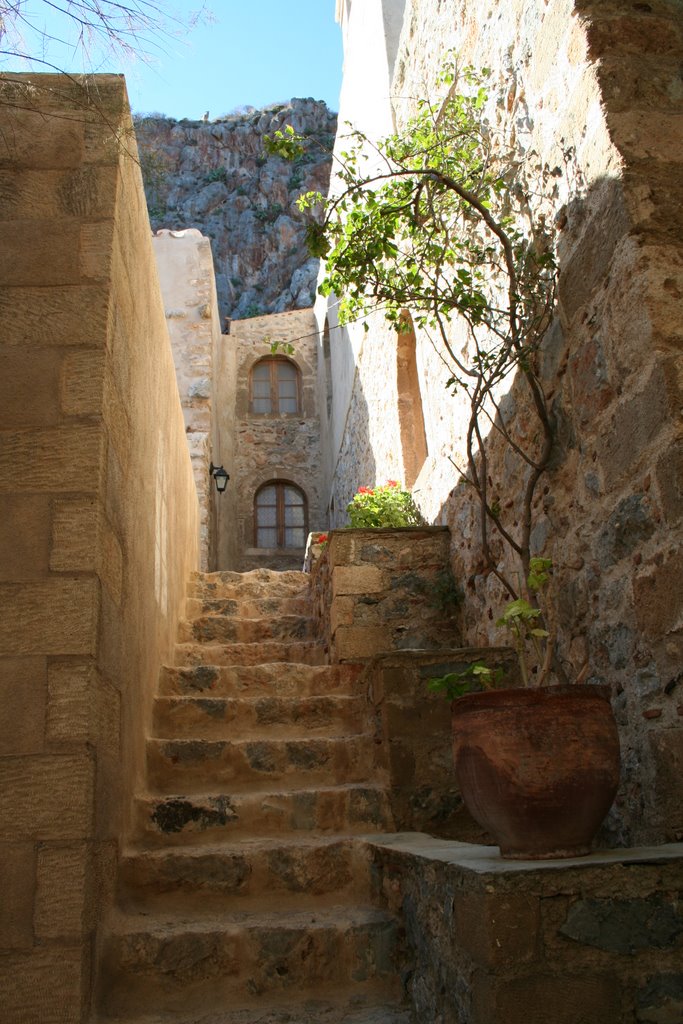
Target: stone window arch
{"type": "Point", "coordinates": [280, 515]}
{"type": "Point", "coordinates": [410, 414]}
{"type": "Point", "coordinates": [275, 387]}
{"type": "Point", "coordinates": [327, 363]}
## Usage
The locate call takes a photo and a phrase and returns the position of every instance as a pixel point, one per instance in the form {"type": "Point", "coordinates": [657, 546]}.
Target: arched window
{"type": "Point", "coordinates": [280, 516]}
{"type": "Point", "coordinates": [275, 388]}
{"type": "Point", "coordinates": [410, 416]}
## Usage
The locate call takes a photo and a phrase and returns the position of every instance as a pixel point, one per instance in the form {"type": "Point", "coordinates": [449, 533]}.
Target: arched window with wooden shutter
{"type": "Point", "coordinates": [280, 516]}
{"type": "Point", "coordinates": [275, 388]}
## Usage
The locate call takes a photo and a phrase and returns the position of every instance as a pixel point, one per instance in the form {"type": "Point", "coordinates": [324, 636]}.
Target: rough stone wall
{"type": "Point", "coordinates": [596, 941]}
{"type": "Point", "coordinates": [385, 590]}
{"type": "Point", "coordinates": [188, 288]}
{"type": "Point", "coordinates": [267, 447]}
{"type": "Point", "coordinates": [216, 176]}
{"type": "Point", "coordinates": [98, 525]}
{"type": "Point", "coordinates": [593, 103]}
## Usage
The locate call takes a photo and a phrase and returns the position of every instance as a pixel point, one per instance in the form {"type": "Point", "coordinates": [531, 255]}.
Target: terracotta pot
{"type": "Point", "coordinates": [538, 769]}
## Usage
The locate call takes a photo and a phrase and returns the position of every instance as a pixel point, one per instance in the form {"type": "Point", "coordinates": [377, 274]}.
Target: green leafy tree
{"type": "Point", "coordinates": [430, 220]}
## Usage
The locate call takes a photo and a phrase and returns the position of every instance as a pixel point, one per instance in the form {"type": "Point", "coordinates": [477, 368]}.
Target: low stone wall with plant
{"type": "Point", "coordinates": [381, 590]}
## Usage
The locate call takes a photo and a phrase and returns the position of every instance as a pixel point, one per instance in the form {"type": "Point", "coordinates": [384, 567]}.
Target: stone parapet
{"type": "Point", "coordinates": [385, 590]}
{"type": "Point", "coordinates": [595, 939]}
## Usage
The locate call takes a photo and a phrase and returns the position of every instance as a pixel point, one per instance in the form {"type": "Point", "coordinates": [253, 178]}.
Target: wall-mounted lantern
{"type": "Point", "coordinates": [220, 476]}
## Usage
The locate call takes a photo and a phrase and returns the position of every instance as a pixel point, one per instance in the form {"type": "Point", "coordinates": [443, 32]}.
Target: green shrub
{"type": "Point", "coordinates": [387, 505]}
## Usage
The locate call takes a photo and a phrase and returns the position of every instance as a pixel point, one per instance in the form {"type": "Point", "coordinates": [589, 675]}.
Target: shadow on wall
{"type": "Point", "coordinates": [606, 509]}
{"type": "Point", "coordinates": [356, 466]}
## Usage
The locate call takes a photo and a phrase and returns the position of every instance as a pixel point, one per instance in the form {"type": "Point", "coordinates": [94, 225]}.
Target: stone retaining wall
{"type": "Point", "coordinates": [596, 939]}
{"type": "Point", "coordinates": [385, 590]}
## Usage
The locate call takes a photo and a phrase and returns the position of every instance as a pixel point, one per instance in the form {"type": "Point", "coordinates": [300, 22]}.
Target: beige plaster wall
{"type": "Point", "coordinates": [98, 524]}
{"type": "Point", "coordinates": [188, 287]}
{"type": "Point", "coordinates": [269, 447]}
{"type": "Point", "coordinates": [593, 105]}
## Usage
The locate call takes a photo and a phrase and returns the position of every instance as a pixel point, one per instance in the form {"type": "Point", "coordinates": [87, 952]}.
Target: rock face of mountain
{"type": "Point", "coordinates": [216, 176]}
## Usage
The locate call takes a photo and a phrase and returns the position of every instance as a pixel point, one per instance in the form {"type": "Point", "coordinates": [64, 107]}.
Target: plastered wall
{"type": "Point", "coordinates": [98, 524]}
{"type": "Point", "coordinates": [592, 101]}
{"type": "Point", "coordinates": [188, 287]}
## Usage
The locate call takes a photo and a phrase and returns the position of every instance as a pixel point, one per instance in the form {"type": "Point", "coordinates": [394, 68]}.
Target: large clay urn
{"type": "Point", "coordinates": [538, 769]}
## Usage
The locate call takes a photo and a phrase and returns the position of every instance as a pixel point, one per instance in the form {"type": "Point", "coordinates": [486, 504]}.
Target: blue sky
{"type": "Point", "coordinates": [248, 52]}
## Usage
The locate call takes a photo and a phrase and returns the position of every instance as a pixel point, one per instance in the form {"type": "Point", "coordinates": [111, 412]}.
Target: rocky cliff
{"type": "Point", "coordinates": [215, 176]}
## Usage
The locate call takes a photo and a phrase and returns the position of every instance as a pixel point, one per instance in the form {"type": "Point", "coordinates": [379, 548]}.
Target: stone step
{"type": "Point", "coordinates": [175, 963]}
{"type": "Point", "coordinates": [250, 717]}
{"type": "Point", "coordinates": [223, 629]}
{"type": "Point", "coordinates": [248, 607]}
{"type": "Point", "coordinates": [259, 583]}
{"type": "Point", "coordinates": [303, 652]}
{"type": "Point", "coordinates": [290, 873]}
{"type": "Point", "coordinates": [180, 820]}
{"type": "Point", "coordinates": [267, 680]}
{"type": "Point", "coordinates": [344, 1011]}
{"type": "Point", "coordinates": [192, 764]}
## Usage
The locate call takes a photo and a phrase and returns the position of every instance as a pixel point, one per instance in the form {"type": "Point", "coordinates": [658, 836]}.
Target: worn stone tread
{"type": "Point", "coordinates": [296, 871]}
{"type": "Point", "coordinates": [191, 763]}
{"type": "Point", "coordinates": [164, 961]}
{"type": "Point", "coordinates": [306, 652]}
{"type": "Point", "coordinates": [217, 628]}
{"type": "Point", "coordinates": [309, 1013]}
{"type": "Point", "coordinates": [267, 679]}
{"type": "Point", "coordinates": [317, 810]}
{"type": "Point", "coordinates": [247, 718]}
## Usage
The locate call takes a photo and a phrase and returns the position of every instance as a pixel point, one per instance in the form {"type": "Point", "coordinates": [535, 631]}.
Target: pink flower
{"type": "Point", "coordinates": [365, 490]}
{"type": "Point", "coordinates": [393, 483]}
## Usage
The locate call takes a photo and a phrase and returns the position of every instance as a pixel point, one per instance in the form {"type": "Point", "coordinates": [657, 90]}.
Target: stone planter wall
{"type": "Point", "coordinates": [385, 590]}
{"type": "Point", "coordinates": [596, 940]}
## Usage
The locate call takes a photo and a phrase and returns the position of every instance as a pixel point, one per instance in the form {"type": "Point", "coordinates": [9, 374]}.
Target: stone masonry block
{"type": "Point", "coordinates": [28, 386]}
{"type": "Point", "coordinates": [95, 250]}
{"type": "Point", "coordinates": [540, 998]}
{"type": "Point", "coordinates": [358, 579]}
{"type": "Point", "coordinates": [496, 930]}
{"type": "Point", "coordinates": [57, 616]}
{"type": "Point", "coordinates": [44, 317]}
{"type": "Point", "coordinates": [39, 252]}
{"type": "Point", "coordinates": [45, 194]}
{"type": "Point", "coordinates": [45, 986]}
{"type": "Point", "coordinates": [658, 597]}
{"type": "Point", "coordinates": [357, 643]}
{"type": "Point", "coordinates": [82, 383]}
{"type": "Point", "coordinates": [72, 701]}
{"type": "Point", "coordinates": [58, 459]}
{"type": "Point", "coordinates": [75, 535]}
{"type": "Point", "coordinates": [61, 891]}
{"type": "Point", "coordinates": [18, 873]}
{"type": "Point", "coordinates": [667, 751]}
{"type": "Point", "coordinates": [82, 540]}
{"type": "Point", "coordinates": [23, 691]}
{"type": "Point", "coordinates": [61, 141]}
{"type": "Point", "coordinates": [48, 797]}
{"type": "Point", "coordinates": [25, 523]}
{"type": "Point", "coordinates": [341, 612]}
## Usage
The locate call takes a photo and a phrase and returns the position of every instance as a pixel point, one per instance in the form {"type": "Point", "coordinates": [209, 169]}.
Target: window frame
{"type": "Point", "coordinates": [273, 362]}
{"type": "Point", "coordinates": [280, 524]}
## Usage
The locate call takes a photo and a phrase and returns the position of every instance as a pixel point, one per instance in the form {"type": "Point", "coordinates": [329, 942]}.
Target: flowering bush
{"type": "Point", "coordinates": [386, 505]}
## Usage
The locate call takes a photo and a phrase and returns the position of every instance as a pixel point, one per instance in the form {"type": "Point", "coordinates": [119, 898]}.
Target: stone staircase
{"type": "Point", "coordinates": [244, 898]}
